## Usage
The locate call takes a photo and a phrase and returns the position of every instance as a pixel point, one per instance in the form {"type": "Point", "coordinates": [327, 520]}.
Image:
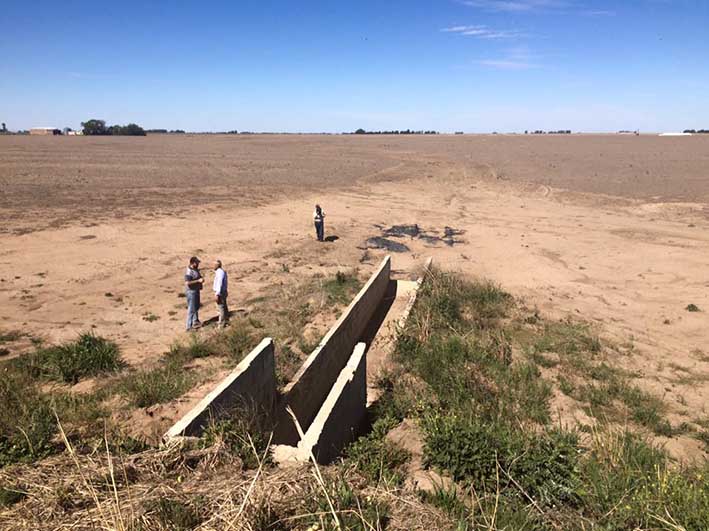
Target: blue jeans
{"type": "Point", "coordinates": [192, 308]}
{"type": "Point", "coordinates": [320, 230]}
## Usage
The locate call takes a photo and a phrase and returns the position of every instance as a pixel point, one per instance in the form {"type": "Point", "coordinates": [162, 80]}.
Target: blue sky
{"type": "Point", "coordinates": [472, 65]}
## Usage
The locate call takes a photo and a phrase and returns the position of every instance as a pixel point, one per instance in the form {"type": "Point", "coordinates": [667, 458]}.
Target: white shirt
{"type": "Point", "coordinates": [220, 282]}
{"type": "Point", "coordinates": [320, 217]}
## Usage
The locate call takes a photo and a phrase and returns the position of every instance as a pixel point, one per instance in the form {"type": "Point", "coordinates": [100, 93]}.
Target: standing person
{"type": "Point", "coordinates": [193, 285]}
{"type": "Point", "coordinates": [221, 291]}
{"type": "Point", "coordinates": [319, 217]}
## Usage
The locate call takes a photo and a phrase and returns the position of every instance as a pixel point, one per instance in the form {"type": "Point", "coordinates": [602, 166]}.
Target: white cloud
{"type": "Point", "coordinates": [483, 32]}
{"type": "Point", "coordinates": [519, 58]}
{"type": "Point", "coordinates": [516, 6]}
{"type": "Point", "coordinates": [599, 13]}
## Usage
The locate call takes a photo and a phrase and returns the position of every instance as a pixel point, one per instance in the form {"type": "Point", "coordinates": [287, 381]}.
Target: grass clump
{"type": "Point", "coordinates": [242, 434]}
{"type": "Point", "coordinates": [88, 356]}
{"type": "Point", "coordinates": [175, 514]}
{"type": "Point", "coordinates": [692, 308]}
{"type": "Point", "coordinates": [629, 484]}
{"type": "Point", "coordinates": [342, 288]}
{"type": "Point", "coordinates": [351, 511]}
{"type": "Point", "coordinates": [9, 336]}
{"type": "Point", "coordinates": [377, 459]}
{"type": "Point", "coordinates": [27, 424]}
{"type": "Point", "coordinates": [156, 386]}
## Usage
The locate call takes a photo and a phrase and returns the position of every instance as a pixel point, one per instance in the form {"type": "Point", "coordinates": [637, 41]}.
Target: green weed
{"type": "Point", "coordinates": [155, 386]}
{"type": "Point", "coordinates": [177, 515]}
{"type": "Point", "coordinates": [11, 495]}
{"type": "Point", "coordinates": [342, 288]}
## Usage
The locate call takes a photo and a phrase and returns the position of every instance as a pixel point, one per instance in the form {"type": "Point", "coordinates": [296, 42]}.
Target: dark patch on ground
{"type": "Point", "coordinates": [377, 242]}
{"type": "Point", "coordinates": [449, 236]}
{"type": "Point", "coordinates": [397, 231]}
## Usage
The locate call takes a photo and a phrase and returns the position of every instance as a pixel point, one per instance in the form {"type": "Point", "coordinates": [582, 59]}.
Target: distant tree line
{"type": "Point", "coordinates": [697, 131]}
{"type": "Point", "coordinates": [165, 131]}
{"type": "Point", "coordinates": [540, 132]}
{"type": "Point", "coordinates": [98, 128]}
{"type": "Point", "coordinates": [396, 132]}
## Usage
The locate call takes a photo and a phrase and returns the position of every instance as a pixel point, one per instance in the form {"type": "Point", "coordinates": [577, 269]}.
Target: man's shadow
{"type": "Point", "coordinates": [331, 238]}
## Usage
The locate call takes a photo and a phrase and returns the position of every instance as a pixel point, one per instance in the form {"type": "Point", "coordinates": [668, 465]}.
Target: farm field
{"type": "Point", "coordinates": [609, 231]}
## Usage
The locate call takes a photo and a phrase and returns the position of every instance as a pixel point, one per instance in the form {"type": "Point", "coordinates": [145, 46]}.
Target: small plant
{"type": "Point", "coordinates": [175, 514]}
{"type": "Point", "coordinates": [11, 495]}
{"type": "Point", "coordinates": [194, 348]}
{"type": "Point", "coordinates": [352, 512]}
{"type": "Point", "coordinates": [150, 317]}
{"type": "Point", "coordinates": [376, 458]}
{"type": "Point", "coordinates": [12, 335]}
{"type": "Point", "coordinates": [242, 435]}
{"type": "Point", "coordinates": [692, 308]}
{"type": "Point", "coordinates": [27, 424]}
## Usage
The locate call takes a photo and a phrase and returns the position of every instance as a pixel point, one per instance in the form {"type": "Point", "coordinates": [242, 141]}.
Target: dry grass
{"type": "Point", "coordinates": [166, 488]}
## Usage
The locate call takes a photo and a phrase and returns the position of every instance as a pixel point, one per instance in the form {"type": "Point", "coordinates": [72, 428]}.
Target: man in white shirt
{"type": "Point", "coordinates": [221, 292]}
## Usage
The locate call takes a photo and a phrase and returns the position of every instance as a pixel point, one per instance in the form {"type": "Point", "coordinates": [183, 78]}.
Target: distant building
{"type": "Point", "coordinates": [45, 131]}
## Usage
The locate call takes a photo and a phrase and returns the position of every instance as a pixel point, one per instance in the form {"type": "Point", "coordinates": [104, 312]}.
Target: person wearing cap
{"type": "Point", "coordinates": [193, 285]}
{"type": "Point", "coordinates": [319, 218]}
{"type": "Point", "coordinates": [221, 292]}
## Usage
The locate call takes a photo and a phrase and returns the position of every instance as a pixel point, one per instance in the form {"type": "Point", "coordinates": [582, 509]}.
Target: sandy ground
{"type": "Point", "coordinates": [629, 265]}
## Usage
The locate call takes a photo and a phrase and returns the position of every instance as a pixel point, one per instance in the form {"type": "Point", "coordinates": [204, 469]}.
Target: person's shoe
{"type": "Point", "coordinates": [197, 325]}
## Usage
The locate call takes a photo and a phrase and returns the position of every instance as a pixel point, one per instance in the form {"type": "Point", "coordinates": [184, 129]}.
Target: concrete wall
{"type": "Point", "coordinates": [311, 385]}
{"type": "Point", "coordinates": [340, 419]}
{"type": "Point", "coordinates": [252, 385]}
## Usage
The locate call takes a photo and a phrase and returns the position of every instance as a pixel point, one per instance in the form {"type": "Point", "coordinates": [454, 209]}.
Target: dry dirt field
{"type": "Point", "coordinates": [610, 229]}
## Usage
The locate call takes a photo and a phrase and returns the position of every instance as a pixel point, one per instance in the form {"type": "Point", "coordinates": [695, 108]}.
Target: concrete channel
{"type": "Point", "coordinates": [330, 393]}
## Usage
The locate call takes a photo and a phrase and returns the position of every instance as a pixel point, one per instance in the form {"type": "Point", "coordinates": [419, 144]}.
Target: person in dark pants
{"type": "Point", "coordinates": [193, 285]}
{"type": "Point", "coordinates": [319, 218]}
{"type": "Point", "coordinates": [221, 292]}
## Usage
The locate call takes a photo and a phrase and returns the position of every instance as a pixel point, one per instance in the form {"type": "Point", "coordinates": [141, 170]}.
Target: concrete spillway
{"type": "Point", "coordinates": [329, 394]}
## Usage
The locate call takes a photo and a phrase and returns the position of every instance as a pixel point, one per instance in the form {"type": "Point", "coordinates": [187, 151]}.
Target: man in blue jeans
{"type": "Point", "coordinates": [193, 285]}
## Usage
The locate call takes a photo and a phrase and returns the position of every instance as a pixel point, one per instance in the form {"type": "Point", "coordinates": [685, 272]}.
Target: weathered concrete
{"type": "Point", "coordinates": [252, 384]}
{"type": "Point", "coordinates": [340, 419]}
{"type": "Point", "coordinates": [414, 293]}
{"type": "Point", "coordinates": [312, 383]}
